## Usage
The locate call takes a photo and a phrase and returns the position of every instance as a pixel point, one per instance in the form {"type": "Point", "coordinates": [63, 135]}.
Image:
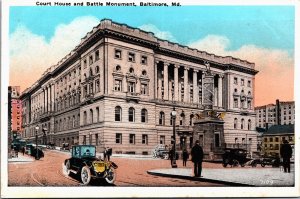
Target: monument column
{"type": "Point", "coordinates": [166, 82]}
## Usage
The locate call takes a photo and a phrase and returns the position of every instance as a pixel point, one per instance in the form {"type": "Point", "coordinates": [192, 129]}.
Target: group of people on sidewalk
{"type": "Point", "coordinates": [197, 157]}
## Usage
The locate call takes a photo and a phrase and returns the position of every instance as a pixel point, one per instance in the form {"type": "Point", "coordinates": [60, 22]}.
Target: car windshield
{"type": "Point", "coordinates": [88, 151]}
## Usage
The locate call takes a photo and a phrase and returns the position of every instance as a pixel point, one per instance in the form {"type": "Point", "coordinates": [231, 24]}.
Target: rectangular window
{"type": "Point", "coordinates": [249, 83]}
{"type": "Point", "coordinates": [235, 103]}
{"type": "Point", "coordinates": [131, 138]}
{"type": "Point", "coordinates": [144, 59]}
{"type": "Point", "coordinates": [90, 60]}
{"type": "Point", "coordinates": [84, 63]}
{"type": "Point", "coordinates": [162, 139]}
{"type": "Point", "coordinates": [97, 86]}
{"type": "Point", "coordinates": [276, 139]}
{"type": "Point", "coordinates": [97, 55]}
{"type": "Point", "coordinates": [131, 87]}
{"type": "Point", "coordinates": [118, 54]}
{"type": "Point", "coordinates": [235, 80]}
{"type": "Point", "coordinates": [118, 85]}
{"type": "Point", "coordinates": [201, 140]}
{"type": "Point", "coordinates": [97, 139]}
{"type": "Point", "coordinates": [144, 139]}
{"type": "Point", "coordinates": [118, 138]}
{"type": "Point", "coordinates": [290, 138]}
{"type": "Point", "coordinates": [84, 140]}
{"type": "Point", "coordinates": [271, 139]}
{"type": "Point", "coordinates": [217, 139]}
{"type": "Point", "coordinates": [242, 82]}
{"type": "Point", "coordinates": [131, 57]}
{"type": "Point", "coordinates": [144, 89]}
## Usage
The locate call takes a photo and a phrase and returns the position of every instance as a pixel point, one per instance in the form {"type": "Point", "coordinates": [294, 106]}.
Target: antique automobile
{"type": "Point", "coordinates": [235, 157]}
{"type": "Point", "coordinates": [272, 161]}
{"type": "Point", "coordinates": [161, 151]}
{"type": "Point", "coordinates": [84, 162]}
{"type": "Point", "coordinates": [65, 147]}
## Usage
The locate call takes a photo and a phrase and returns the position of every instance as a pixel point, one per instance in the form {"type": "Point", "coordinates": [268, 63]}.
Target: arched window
{"type": "Point", "coordinates": [182, 119]}
{"type": "Point", "coordinates": [97, 69]}
{"type": "Point", "coordinates": [235, 123]}
{"type": "Point", "coordinates": [118, 113]}
{"type": "Point", "coordinates": [249, 124]}
{"type": "Point", "coordinates": [161, 120]}
{"type": "Point", "coordinates": [84, 118]}
{"type": "Point", "coordinates": [144, 115]}
{"type": "Point", "coordinates": [191, 119]}
{"type": "Point", "coordinates": [91, 116]}
{"type": "Point", "coordinates": [242, 123]}
{"type": "Point", "coordinates": [131, 113]}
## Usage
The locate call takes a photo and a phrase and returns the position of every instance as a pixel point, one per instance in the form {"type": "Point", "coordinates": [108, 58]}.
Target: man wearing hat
{"type": "Point", "coordinates": [286, 153]}
{"type": "Point", "coordinates": [197, 158]}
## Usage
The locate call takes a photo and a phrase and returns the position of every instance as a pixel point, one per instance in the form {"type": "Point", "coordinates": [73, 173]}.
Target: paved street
{"type": "Point", "coordinates": [131, 172]}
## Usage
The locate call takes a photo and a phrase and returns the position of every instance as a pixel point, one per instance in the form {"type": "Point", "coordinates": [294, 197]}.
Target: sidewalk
{"type": "Point", "coordinates": [259, 177]}
{"type": "Point", "coordinates": [21, 159]}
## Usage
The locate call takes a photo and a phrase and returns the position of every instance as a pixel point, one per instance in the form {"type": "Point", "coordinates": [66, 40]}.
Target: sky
{"type": "Point", "coordinates": [40, 36]}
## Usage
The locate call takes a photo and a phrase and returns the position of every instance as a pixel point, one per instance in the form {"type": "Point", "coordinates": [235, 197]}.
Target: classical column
{"type": "Point", "coordinates": [195, 87]}
{"type": "Point", "coordinates": [176, 97]}
{"type": "Point", "coordinates": [185, 84]}
{"type": "Point", "coordinates": [216, 91]}
{"type": "Point", "coordinates": [202, 93]}
{"type": "Point", "coordinates": [155, 80]}
{"type": "Point", "coordinates": [49, 98]}
{"type": "Point", "coordinates": [52, 95]}
{"type": "Point", "coordinates": [159, 83]}
{"type": "Point", "coordinates": [220, 89]}
{"type": "Point", "coordinates": [166, 82]}
{"type": "Point", "coordinates": [44, 96]}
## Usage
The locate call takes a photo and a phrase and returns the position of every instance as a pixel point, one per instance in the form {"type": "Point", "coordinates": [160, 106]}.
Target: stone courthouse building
{"type": "Point", "coordinates": [117, 88]}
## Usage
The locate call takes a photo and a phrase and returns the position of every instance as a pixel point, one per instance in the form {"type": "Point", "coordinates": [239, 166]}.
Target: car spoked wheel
{"type": "Point", "coordinates": [85, 175]}
{"type": "Point", "coordinates": [111, 176]}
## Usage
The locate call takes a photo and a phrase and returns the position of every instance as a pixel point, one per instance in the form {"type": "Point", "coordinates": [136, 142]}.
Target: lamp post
{"type": "Point", "coordinates": [174, 165]}
{"type": "Point", "coordinates": [36, 141]}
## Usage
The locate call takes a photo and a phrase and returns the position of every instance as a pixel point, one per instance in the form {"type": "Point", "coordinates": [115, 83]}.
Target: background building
{"type": "Point", "coordinates": [274, 137]}
{"type": "Point", "coordinates": [16, 111]}
{"type": "Point", "coordinates": [117, 88]}
{"type": "Point", "coordinates": [281, 113]}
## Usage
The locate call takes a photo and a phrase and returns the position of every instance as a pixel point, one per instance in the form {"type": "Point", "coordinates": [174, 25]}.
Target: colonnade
{"type": "Point", "coordinates": [169, 89]}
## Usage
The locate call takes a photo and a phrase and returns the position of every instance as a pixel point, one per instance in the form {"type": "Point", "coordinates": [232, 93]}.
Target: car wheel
{"type": "Point", "coordinates": [242, 165]}
{"type": "Point", "coordinates": [225, 162]}
{"type": "Point", "coordinates": [263, 164]}
{"type": "Point", "coordinates": [85, 175]}
{"type": "Point", "coordinates": [111, 176]}
{"type": "Point", "coordinates": [235, 163]}
{"type": "Point", "coordinates": [166, 156]}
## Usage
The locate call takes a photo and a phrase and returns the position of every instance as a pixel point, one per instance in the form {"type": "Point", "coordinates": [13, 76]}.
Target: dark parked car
{"type": "Point", "coordinates": [235, 157]}
{"type": "Point", "coordinates": [40, 153]}
{"type": "Point", "coordinates": [65, 147]}
{"type": "Point", "coordinates": [84, 163]}
{"type": "Point", "coordinates": [273, 161]}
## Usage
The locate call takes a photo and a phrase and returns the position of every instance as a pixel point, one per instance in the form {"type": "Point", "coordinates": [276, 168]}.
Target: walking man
{"type": "Point", "coordinates": [197, 158]}
{"type": "Point", "coordinates": [185, 157]}
{"type": "Point", "coordinates": [286, 153]}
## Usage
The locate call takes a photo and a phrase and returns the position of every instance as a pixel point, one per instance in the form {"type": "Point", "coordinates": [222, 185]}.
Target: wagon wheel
{"type": "Point", "coordinates": [85, 175]}
{"type": "Point", "coordinates": [111, 176]}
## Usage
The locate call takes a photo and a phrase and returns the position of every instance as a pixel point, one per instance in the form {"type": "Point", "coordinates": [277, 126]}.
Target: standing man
{"type": "Point", "coordinates": [286, 153]}
{"type": "Point", "coordinates": [197, 158]}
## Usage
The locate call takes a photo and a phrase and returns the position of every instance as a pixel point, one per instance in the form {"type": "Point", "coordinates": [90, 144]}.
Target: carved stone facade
{"type": "Point", "coordinates": [118, 87]}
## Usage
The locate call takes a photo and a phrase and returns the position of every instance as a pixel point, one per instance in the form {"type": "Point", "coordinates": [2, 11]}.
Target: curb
{"type": "Point", "coordinates": [199, 179]}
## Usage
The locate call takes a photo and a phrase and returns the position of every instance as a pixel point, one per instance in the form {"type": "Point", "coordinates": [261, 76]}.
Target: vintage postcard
{"type": "Point", "coordinates": [149, 99]}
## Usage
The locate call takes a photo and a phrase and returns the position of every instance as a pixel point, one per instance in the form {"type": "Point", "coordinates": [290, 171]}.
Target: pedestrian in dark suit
{"type": "Point", "coordinates": [197, 158]}
{"type": "Point", "coordinates": [286, 153]}
{"type": "Point", "coordinates": [185, 156]}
